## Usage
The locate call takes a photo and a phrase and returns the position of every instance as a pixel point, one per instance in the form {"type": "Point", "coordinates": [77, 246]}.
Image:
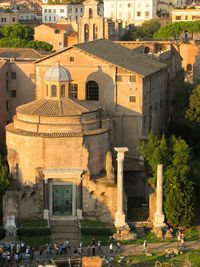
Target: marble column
{"type": "Point", "coordinates": [46, 199]}
{"type": "Point", "coordinates": [159, 216]}
{"type": "Point", "coordinates": [119, 215]}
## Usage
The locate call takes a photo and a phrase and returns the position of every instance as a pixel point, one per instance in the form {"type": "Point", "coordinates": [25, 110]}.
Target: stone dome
{"type": "Point", "coordinates": [57, 74]}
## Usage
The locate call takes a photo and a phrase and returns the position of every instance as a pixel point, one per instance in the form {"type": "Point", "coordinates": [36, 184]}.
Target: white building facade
{"type": "Point", "coordinates": [130, 11]}
{"type": "Point", "coordinates": [52, 13]}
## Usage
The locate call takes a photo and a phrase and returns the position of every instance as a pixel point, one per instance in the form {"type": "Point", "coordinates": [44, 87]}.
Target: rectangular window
{"type": "Point", "coordinates": [49, 10]}
{"type": "Point", "coordinates": [62, 11]}
{"type": "Point", "coordinates": [146, 13]}
{"type": "Point", "coordinates": [45, 10]}
{"type": "Point", "coordinates": [13, 19]}
{"type": "Point", "coordinates": [54, 18]}
{"type": "Point", "coordinates": [76, 10]}
{"type": "Point", "coordinates": [73, 91]}
{"type": "Point", "coordinates": [132, 78]}
{"type": "Point", "coordinates": [6, 74]}
{"type": "Point", "coordinates": [13, 76]}
{"type": "Point", "coordinates": [54, 10]}
{"type": "Point", "coordinates": [45, 18]}
{"type": "Point", "coordinates": [138, 14]}
{"type": "Point", "coordinates": [60, 44]}
{"type": "Point", "coordinates": [7, 105]}
{"type": "Point", "coordinates": [132, 98]}
{"type": "Point", "coordinates": [13, 93]}
{"type": "Point", "coordinates": [49, 18]}
{"type": "Point", "coordinates": [178, 17]}
{"type": "Point", "coordinates": [119, 78]}
{"type": "Point", "coordinates": [186, 17]}
{"type": "Point", "coordinates": [3, 19]}
{"type": "Point", "coordinates": [71, 59]}
{"type": "Point", "coordinates": [32, 76]}
{"type": "Point", "coordinates": [129, 5]}
{"type": "Point", "coordinates": [7, 85]}
{"type": "Point", "coordinates": [81, 9]}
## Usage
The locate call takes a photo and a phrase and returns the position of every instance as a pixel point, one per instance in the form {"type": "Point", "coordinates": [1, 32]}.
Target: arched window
{"type": "Point", "coordinates": [46, 90]}
{"type": "Point", "coordinates": [86, 32]}
{"type": "Point", "coordinates": [90, 13]}
{"type": "Point", "coordinates": [189, 67]}
{"type": "Point", "coordinates": [95, 32]}
{"type": "Point", "coordinates": [92, 91]}
{"type": "Point", "coordinates": [53, 91]}
{"type": "Point", "coordinates": [62, 91]}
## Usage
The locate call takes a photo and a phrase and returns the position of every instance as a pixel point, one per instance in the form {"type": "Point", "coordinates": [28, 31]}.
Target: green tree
{"type": "Point", "coordinates": [5, 181]}
{"type": "Point", "coordinates": [145, 31]}
{"type": "Point", "coordinates": [22, 43]}
{"type": "Point", "coordinates": [193, 112]}
{"type": "Point", "coordinates": [175, 29]}
{"type": "Point", "coordinates": [175, 156]}
{"type": "Point", "coordinates": [18, 31]}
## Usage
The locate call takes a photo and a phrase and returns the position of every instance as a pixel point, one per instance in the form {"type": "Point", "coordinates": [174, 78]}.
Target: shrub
{"type": "Point", "coordinates": [25, 231]}
{"type": "Point", "coordinates": [102, 231]}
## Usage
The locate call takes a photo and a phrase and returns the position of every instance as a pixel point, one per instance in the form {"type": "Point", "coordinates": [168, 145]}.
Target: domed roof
{"type": "Point", "coordinates": [57, 74]}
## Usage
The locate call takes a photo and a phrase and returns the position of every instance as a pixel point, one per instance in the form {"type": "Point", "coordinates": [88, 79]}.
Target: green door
{"type": "Point", "coordinates": [62, 200]}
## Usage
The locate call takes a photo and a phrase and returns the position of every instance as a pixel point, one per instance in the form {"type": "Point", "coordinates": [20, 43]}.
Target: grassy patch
{"type": "Point", "coordinates": [34, 223]}
{"type": "Point", "coordinates": [91, 223]}
{"type": "Point", "coordinates": [192, 234]}
{"type": "Point", "coordinates": [180, 260]}
{"type": "Point", "coordinates": [36, 241]}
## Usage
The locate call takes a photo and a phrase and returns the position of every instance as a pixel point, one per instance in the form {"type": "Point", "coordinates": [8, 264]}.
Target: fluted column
{"type": "Point", "coordinates": [159, 216]}
{"type": "Point", "coordinates": [119, 215]}
{"type": "Point", "coordinates": [46, 199]}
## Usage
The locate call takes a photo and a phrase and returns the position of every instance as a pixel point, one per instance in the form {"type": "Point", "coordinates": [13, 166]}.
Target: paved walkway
{"type": "Point", "coordinates": [134, 249]}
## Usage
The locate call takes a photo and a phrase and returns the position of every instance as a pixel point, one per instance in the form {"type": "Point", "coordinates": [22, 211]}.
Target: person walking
{"type": "Point", "coordinates": [118, 247]}
{"type": "Point", "coordinates": [67, 245]}
{"type": "Point", "coordinates": [41, 249]}
{"type": "Point", "coordinates": [99, 247]}
{"type": "Point", "coordinates": [93, 250]}
{"type": "Point", "coordinates": [111, 248]}
{"type": "Point", "coordinates": [145, 246]}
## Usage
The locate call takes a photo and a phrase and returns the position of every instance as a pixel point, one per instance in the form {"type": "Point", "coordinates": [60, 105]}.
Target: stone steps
{"type": "Point", "coordinates": [63, 230]}
{"type": "Point", "coordinates": [140, 231]}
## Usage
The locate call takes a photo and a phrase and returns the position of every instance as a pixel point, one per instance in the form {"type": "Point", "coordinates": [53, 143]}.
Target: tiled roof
{"type": "Point", "coordinates": [73, 34]}
{"type": "Point", "coordinates": [56, 107]}
{"type": "Point", "coordinates": [22, 53]}
{"type": "Point", "coordinates": [117, 55]}
{"type": "Point", "coordinates": [57, 26]}
{"type": "Point", "coordinates": [121, 56]}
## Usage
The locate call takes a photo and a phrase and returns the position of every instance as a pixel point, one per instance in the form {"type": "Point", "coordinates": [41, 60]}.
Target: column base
{"type": "Point", "coordinates": [46, 214]}
{"type": "Point", "coordinates": [120, 220]}
{"type": "Point", "coordinates": [79, 214]}
{"type": "Point", "coordinates": [159, 220]}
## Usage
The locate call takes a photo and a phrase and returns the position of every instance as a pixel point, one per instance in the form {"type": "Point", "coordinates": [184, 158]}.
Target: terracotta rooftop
{"type": "Point", "coordinates": [22, 53]}
{"type": "Point", "coordinates": [56, 107]}
{"type": "Point", "coordinates": [57, 26]}
{"type": "Point", "coordinates": [73, 34]}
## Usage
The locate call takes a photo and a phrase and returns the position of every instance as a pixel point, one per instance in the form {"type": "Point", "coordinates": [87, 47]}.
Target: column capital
{"type": "Point", "coordinates": [46, 180]}
{"type": "Point", "coordinates": [121, 149]}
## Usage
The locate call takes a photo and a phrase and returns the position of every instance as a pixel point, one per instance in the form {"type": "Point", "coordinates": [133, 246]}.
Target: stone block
{"type": "Point", "coordinates": [91, 262]}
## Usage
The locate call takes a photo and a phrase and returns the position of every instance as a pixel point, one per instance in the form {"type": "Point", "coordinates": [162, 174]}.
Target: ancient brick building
{"type": "Point", "coordinates": [90, 98]}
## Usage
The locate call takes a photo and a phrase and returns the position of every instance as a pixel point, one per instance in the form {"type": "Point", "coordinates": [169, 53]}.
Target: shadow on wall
{"type": "Point", "coordinates": [98, 201]}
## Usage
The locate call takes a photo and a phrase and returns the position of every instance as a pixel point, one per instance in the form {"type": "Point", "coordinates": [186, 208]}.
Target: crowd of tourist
{"type": "Point", "coordinates": [11, 252]}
